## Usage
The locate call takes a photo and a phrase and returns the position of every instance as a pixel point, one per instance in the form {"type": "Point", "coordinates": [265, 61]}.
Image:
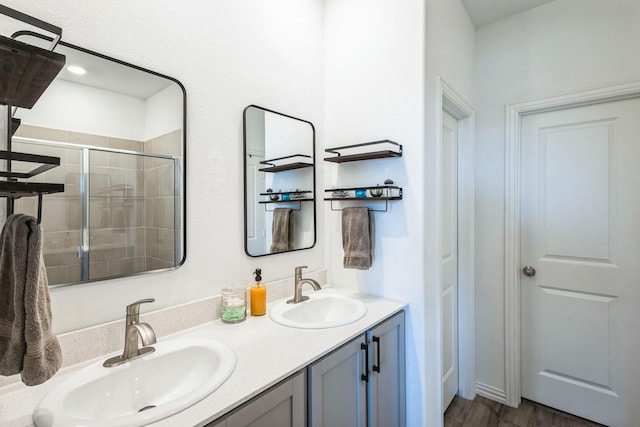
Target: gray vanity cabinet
{"type": "Point", "coordinates": [337, 392]}
{"type": "Point", "coordinates": [283, 405]}
{"type": "Point", "coordinates": [387, 375]}
{"type": "Point", "coordinates": [363, 382]}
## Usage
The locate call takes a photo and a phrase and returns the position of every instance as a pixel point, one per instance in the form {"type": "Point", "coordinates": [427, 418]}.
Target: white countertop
{"type": "Point", "coordinates": [267, 354]}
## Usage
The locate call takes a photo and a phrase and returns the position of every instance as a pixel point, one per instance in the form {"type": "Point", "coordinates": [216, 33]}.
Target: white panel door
{"type": "Point", "coordinates": [580, 231]}
{"type": "Point", "coordinates": [256, 223]}
{"type": "Point", "coordinates": [449, 258]}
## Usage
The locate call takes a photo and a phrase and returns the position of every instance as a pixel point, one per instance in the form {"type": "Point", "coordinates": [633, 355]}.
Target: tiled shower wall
{"type": "Point", "coordinates": [161, 200]}
{"type": "Point", "coordinates": [131, 219]}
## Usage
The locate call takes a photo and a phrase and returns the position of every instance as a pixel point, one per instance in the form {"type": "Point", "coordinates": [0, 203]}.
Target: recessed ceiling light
{"type": "Point", "coordinates": [76, 69]}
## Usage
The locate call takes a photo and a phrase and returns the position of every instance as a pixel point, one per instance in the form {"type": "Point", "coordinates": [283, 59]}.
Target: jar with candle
{"type": "Point", "coordinates": [233, 305]}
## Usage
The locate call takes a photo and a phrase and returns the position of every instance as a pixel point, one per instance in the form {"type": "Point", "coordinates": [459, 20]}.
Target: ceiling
{"type": "Point", "coordinates": [483, 12]}
{"type": "Point", "coordinates": [142, 85]}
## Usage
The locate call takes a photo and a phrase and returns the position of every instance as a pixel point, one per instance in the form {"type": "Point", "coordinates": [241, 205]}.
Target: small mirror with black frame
{"type": "Point", "coordinates": [279, 182]}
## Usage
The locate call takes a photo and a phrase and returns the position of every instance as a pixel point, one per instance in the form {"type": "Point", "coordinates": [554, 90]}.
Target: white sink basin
{"type": "Point", "coordinates": [323, 309]}
{"type": "Point", "coordinates": [178, 374]}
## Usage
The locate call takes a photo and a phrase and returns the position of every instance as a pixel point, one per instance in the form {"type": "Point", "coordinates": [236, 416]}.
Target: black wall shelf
{"type": "Point", "coordinates": [342, 155]}
{"type": "Point", "coordinates": [34, 68]}
{"type": "Point", "coordinates": [387, 193]}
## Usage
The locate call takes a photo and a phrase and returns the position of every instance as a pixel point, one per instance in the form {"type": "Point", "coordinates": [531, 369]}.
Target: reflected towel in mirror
{"type": "Point", "coordinates": [27, 343]}
{"type": "Point", "coordinates": [357, 238]}
{"type": "Point", "coordinates": [281, 230]}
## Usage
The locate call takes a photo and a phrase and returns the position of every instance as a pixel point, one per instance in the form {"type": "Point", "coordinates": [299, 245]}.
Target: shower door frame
{"type": "Point", "coordinates": [83, 249]}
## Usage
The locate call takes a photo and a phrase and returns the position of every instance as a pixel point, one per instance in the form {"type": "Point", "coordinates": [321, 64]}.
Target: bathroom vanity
{"type": "Point", "coordinates": [361, 383]}
{"type": "Point", "coordinates": [293, 375]}
{"type": "Point", "coordinates": [288, 373]}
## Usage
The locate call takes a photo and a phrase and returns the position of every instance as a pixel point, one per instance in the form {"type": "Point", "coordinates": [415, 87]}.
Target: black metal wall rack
{"type": "Point", "coordinates": [342, 154]}
{"type": "Point", "coordinates": [35, 70]}
{"type": "Point", "coordinates": [378, 193]}
{"type": "Point", "coordinates": [351, 153]}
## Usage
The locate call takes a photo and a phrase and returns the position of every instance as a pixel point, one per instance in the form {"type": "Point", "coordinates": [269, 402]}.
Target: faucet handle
{"type": "Point", "coordinates": [133, 309]}
{"type": "Point", "coordinates": [299, 269]}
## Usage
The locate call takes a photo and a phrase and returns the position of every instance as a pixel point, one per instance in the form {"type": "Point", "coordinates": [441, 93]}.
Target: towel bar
{"type": "Point", "coordinates": [288, 201]}
{"type": "Point", "coordinates": [386, 205]}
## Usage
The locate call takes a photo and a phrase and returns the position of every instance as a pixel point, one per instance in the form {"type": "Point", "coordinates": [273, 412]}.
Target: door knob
{"type": "Point", "coordinates": [529, 271]}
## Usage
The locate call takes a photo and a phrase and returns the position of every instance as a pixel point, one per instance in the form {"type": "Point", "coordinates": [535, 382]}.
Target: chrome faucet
{"type": "Point", "coordinates": [299, 281]}
{"type": "Point", "coordinates": [134, 330]}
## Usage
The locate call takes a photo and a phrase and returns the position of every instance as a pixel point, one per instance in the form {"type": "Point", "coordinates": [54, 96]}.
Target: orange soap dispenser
{"type": "Point", "coordinates": [258, 296]}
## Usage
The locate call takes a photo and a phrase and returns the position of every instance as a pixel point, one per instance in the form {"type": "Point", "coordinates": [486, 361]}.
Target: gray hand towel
{"type": "Point", "coordinates": [357, 238]}
{"type": "Point", "coordinates": [27, 343]}
{"type": "Point", "coordinates": [280, 232]}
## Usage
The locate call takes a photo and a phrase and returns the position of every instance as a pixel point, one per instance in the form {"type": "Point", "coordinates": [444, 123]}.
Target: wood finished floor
{"type": "Point", "coordinates": [482, 412]}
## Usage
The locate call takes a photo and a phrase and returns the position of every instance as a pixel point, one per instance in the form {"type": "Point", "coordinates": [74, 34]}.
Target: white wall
{"type": "Point", "coordinates": [228, 54]}
{"type": "Point", "coordinates": [382, 58]}
{"type": "Point", "coordinates": [563, 46]}
{"type": "Point", "coordinates": [163, 112]}
{"type": "Point", "coordinates": [449, 54]}
{"type": "Point", "coordinates": [79, 108]}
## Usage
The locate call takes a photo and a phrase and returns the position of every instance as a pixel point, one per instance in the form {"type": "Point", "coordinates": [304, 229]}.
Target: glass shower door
{"type": "Point", "coordinates": [132, 202]}
{"type": "Point", "coordinates": [61, 214]}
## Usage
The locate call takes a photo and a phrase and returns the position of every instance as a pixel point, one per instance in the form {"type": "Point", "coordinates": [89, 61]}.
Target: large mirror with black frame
{"type": "Point", "coordinates": [119, 131]}
{"type": "Point", "coordinates": [279, 186]}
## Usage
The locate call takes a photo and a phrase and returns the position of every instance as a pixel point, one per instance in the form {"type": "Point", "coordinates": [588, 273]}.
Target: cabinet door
{"type": "Point", "coordinates": [337, 388]}
{"type": "Point", "coordinates": [284, 405]}
{"type": "Point", "coordinates": [387, 379]}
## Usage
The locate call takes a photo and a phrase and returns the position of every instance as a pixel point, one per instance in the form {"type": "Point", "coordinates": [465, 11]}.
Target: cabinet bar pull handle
{"type": "Point", "coordinates": [376, 366]}
{"type": "Point", "coordinates": [365, 376]}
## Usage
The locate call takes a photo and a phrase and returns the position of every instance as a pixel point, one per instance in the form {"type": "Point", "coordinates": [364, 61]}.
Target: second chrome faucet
{"type": "Point", "coordinates": [299, 281]}
{"type": "Point", "coordinates": [134, 330]}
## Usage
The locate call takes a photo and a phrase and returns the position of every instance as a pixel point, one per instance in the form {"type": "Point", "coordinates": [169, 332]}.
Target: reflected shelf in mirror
{"type": "Point", "coordinates": [288, 165]}
{"type": "Point", "coordinates": [279, 153]}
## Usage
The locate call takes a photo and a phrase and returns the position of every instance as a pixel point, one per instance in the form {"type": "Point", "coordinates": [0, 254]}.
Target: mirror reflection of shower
{"type": "Point", "coordinates": [119, 131]}
{"type": "Point", "coordinates": [116, 215]}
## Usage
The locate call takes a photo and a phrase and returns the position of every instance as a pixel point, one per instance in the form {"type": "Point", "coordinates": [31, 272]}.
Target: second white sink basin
{"type": "Point", "coordinates": [178, 374]}
{"type": "Point", "coordinates": [323, 309]}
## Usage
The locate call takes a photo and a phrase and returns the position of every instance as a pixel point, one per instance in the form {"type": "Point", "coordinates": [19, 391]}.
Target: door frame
{"type": "Point", "coordinates": [514, 114]}
{"type": "Point", "coordinates": [450, 101]}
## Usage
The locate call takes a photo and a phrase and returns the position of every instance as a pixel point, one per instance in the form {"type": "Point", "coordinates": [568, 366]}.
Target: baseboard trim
{"type": "Point", "coordinates": [492, 393]}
